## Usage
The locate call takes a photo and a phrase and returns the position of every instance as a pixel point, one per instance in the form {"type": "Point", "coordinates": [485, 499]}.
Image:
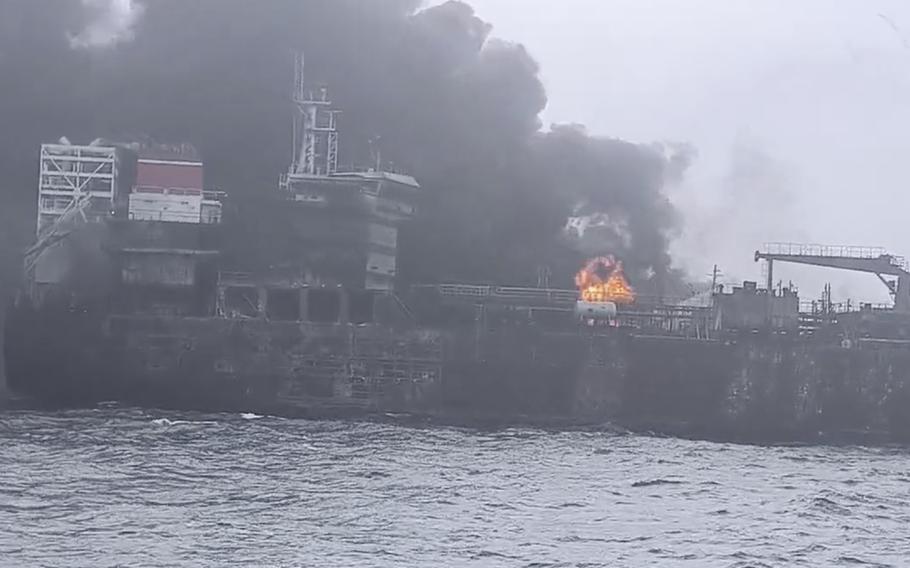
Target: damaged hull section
{"type": "Point", "coordinates": [223, 364]}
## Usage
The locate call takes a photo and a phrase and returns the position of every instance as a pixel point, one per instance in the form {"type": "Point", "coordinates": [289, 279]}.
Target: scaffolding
{"type": "Point", "coordinates": [68, 175]}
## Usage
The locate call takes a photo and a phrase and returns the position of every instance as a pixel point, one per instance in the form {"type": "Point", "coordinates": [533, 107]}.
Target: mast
{"type": "Point", "coordinates": [315, 127]}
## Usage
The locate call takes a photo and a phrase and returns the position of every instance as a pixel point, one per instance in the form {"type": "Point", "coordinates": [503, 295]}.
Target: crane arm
{"type": "Point", "coordinates": [883, 264]}
{"type": "Point", "coordinates": [857, 259]}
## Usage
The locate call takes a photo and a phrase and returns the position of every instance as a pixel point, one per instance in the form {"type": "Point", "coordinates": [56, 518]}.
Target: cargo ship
{"type": "Point", "coordinates": [148, 288]}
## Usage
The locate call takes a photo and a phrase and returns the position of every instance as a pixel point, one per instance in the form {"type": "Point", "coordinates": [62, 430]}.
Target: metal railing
{"type": "Point", "coordinates": [846, 251]}
{"type": "Point", "coordinates": [814, 307]}
{"type": "Point", "coordinates": [553, 295]}
{"type": "Point", "coordinates": [507, 292]}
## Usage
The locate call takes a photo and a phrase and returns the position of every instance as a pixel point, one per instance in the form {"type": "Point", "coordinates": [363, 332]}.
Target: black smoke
{"type": "Point", "coordinates": [442, 99]}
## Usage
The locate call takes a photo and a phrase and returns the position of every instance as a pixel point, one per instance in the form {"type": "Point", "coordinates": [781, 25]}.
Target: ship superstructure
{"type": "Point", "coordinates": [353, 215]}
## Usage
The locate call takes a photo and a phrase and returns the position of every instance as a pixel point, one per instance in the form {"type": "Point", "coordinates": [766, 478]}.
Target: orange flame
{"type": "Point", "coordinates": [602, 280]}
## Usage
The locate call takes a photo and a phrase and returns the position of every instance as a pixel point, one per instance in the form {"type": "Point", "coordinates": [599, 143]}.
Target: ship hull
{"type": "Point", "coordinates": [772, 388]}
{"type": "Point", "coordinates": [77, 357]}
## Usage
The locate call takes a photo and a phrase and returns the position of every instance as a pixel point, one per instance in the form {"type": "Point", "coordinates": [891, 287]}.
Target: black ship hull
{"type": "Point", "coordinates": [763, 388]}
{"type": "Point", "coordinates": [79, 357]}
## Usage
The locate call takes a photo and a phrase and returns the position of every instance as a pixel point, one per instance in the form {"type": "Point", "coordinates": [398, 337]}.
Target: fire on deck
{"type": "Point", "coordinates": [601, 279]}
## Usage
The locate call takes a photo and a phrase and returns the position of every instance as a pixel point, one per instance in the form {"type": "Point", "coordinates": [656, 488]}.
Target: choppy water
{"type": "Point", "coordinates": [130, 488]}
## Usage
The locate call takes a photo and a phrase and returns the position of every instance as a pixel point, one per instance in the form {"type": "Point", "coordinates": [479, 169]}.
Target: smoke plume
{"type": "Point", "coordinates": [108, 22]}
{"type": "Point", "coordinates": [445, 101]}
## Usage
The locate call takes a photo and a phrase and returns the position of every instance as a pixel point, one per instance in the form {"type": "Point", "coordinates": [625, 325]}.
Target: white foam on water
{"type": "Point", "coordinates": [167, 422]}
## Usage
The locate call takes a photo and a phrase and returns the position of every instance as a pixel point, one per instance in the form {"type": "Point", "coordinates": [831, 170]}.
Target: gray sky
{"type": "Point", "coordinates": [799, 111]}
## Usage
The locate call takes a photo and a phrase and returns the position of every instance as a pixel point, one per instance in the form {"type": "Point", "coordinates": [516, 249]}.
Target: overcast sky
{"type": "Point", "coordinates": [800, 112]}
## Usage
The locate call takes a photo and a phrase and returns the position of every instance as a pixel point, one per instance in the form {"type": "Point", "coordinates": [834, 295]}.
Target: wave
{"type": "Point", "coordinates": [652, 482]}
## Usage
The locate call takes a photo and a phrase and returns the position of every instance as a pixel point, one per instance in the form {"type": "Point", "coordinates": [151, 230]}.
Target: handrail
{"type": "Point", "coordinates": [815, 307]}
{"type": "Point", "coordinates": [803, 249]}
{"type": "Point", "coordinates": [558, 295]}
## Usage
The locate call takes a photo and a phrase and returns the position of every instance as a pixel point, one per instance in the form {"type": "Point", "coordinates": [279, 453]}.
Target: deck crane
{"type": "Point", "coordinates": [873, 260]}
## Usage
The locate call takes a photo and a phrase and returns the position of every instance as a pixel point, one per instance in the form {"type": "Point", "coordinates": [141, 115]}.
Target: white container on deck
{"type": "Point", "coordinates": [595, 310]}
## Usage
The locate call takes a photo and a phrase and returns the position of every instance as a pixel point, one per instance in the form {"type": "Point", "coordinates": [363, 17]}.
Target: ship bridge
{"type": "Point", "coordinates": [873, 260]}
{"type": "Point", "coordinates": [336, 225]}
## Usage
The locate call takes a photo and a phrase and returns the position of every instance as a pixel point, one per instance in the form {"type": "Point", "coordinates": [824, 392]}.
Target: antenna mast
{"type": "Point", "coordinates": [315, 127]}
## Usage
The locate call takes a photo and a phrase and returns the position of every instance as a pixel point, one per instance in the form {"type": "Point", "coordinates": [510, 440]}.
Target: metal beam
{"type": "Point", "coordinates": [884, 264]}
{"type": "Point", "coordinates": [892, 286]}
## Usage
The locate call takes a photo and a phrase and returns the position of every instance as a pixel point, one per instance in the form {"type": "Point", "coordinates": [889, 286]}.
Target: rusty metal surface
{"type": "Point", "coordinates": [303, 363]}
